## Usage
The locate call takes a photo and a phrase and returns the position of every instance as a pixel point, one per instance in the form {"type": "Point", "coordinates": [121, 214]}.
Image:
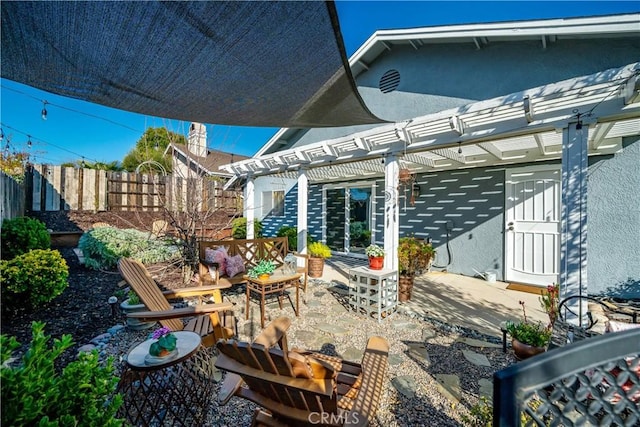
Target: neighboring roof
{"type": "Point", "coordinates": [547, 31]}
{"type": "Point", "coordinates": [519, 127]}
{"type": "Point", "coordinates": [265, 63]}
{"type": "Point", "coordinates": [210, 164]}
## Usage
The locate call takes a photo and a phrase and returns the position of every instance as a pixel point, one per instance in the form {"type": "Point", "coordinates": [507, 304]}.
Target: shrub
{"type": "Point", "coordinates": [34, 278]}
{"type": "Point", "coordinates": [319, 250]}
{"type": "Point", "coordinates": [34, 393]}
{"type": "Point", "coordinates": [102, 247]}
{"type": "Point", "coordinates": [239, 228]}
{"type": "Point", "coordinates": [291, 233]}
{"type": "Point", "coordinates": [20, 235]}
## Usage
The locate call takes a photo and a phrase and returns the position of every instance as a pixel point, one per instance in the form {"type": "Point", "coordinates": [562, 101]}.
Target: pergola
{"type": "Point", "coordinates": [568, 120]}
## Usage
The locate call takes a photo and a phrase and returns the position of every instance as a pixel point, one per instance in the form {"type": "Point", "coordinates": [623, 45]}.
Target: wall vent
{"type": "Point", "coordinates": [389, 81]}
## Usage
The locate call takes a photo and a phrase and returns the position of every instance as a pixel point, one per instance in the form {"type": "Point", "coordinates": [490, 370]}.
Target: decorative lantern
{"type": "Point", "coordinates": [290, 264]}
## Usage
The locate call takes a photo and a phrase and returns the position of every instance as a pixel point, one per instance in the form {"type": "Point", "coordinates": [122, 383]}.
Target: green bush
{"type": "Point", "coordinates": [319, 250]}
{"type": "Point", "coordinates": [291, 233]}
{"type": "Point", "coordinates": [33, 278]}
{"type": "Point", "coordinates": [34, 393]}
{"type": "Point", "coordinates": [20, 235]}
{"type": "Point", "coordinates": [102, 247]}
{"type": "Point", "coordinates": [239, 228]}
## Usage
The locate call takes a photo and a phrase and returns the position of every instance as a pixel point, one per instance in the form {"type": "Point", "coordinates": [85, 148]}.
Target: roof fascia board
{"type": "Point", "coordinates": [619, 24]}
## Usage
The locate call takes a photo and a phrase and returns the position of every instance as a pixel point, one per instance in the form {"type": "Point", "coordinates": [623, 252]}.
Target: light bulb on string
{"type": "Point", "coordinates": [1, 134]}
{"type": "Point", "coordinates": [459, 147]}
{"type": "Point", "coordinates": [44, 110]}
{"type": "Point", "coordinates": [29, 143]}
{"type": "Point", "coordinates": [156, 146]}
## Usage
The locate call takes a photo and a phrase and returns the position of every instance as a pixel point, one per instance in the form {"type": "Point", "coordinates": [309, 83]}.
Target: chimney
{"type": "Point", "coordinates": [197, 139]}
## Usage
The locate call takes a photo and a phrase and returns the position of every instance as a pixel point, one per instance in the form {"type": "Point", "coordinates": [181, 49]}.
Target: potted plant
{"type": "Point", "coordinates": [414, 255]}
{"type": "Point", "coordinates": [376, 256]}
{"type": "Point", "coordinates": [318, 252]}
{"type": "Point", "coordinates": [133, 304]}
{"type": "Point", "coordinates": [528, 338]}
{"type": "Point", "coordinates": [262, 270]}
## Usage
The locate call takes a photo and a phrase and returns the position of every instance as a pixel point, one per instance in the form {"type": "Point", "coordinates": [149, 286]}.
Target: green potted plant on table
{"type": "Point", "coordinates": [528, 338]}
{"type": "Point", "coordinates": [376, 256]}
{"type": "Point", "coordinates": [318, 252]}
{"type": "Point", "coordinates": [414, 256]}
{"type": "Point", "coordinates": [263, 269]}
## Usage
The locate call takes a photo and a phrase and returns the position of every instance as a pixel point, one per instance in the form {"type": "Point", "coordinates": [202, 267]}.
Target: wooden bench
{"type": "Point", "coordinates": [251, 250]}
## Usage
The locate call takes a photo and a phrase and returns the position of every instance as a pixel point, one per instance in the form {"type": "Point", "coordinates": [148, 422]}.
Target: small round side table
{"type": "Point", "coordinates": [174, 393]}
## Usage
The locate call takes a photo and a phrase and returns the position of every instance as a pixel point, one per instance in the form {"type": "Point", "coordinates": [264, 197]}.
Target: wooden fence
{"type": "Point", "coordinates": [12, 195]}
{"type": "Point", "coordinates": [55, 188]}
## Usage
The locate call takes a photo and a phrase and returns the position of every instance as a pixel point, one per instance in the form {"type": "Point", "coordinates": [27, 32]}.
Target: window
{"type": "Point", "coordinates": [273, 203]}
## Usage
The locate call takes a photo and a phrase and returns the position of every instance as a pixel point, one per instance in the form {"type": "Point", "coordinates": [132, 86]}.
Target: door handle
{"type": "Point", "coordinates": [510, 226]}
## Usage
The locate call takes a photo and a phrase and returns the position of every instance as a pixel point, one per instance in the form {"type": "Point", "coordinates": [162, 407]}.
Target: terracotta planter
{"type": "Point", "coordinates": [376, 262]}
{"type": "Point", "coordinates": [264, 276]}
{"type": "Point", "coordinates": [524, 351]}
{"type": "Point", "coordinates": [316, 267]}
{"type": "Point", "coordinates": [405, 287]}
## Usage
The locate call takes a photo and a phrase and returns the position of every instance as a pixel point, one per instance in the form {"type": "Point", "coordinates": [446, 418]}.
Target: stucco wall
{"type": "Point", "coordinates": [470, 203]}
{"type": "Point", "coordinates": [613, 218]}
{"type": "Point", "coordinates": [443, 76]}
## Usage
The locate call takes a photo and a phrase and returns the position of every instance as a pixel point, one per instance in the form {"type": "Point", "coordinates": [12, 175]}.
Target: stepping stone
{"type": "Point", "coordinates": [353, 354]}
{"type": "Point", "coordinates": [332, 329]}
{"type": "Point", "coordinates": [476, 358]}
{"type": "Point", "coordinates": [395, 359]}
{"type": "Point", "coordinates": [406, 385]}
{"type": "Point", "coordinates": [428, 333]}
{"type": "Point", "coordinates": [315, 303]}
{"type": "Point", "coordinates": [251, 329]}
{"type": "Point", "coordinates": [405, 326]}
{"type": "Point", "coordinates": [449, 386]}
{"type": "Point", "coordinates": [315, 315]}
{"type": "Point", "coordinates": [419, 352]}
{"type": "Point", "coordinates": [486, 388]}
{"type": "Point", "coordinates": [346, 322]}
{"type": "Point", "coordinates": [307, 336]}
{"type": "Point", "coordinates": [477, 343]}
{"type": "Point", "coordinates": [319, 294]}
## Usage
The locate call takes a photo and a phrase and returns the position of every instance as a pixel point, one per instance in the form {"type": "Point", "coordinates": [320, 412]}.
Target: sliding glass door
{"type": "Point", "coordinates": [348, 217]}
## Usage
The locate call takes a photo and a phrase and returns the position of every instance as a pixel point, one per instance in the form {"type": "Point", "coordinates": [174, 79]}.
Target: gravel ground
{"type": "Point", "coordinates": [429, 406]}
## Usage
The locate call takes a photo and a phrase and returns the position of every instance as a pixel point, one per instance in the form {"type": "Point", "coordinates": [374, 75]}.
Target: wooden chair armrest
{"type": "Point", "coordinates": [275, 333]}
{"type": "Point", "coordinates": [374, 369]}
{"type": "Point", "coordinates": [193, 291]}
{"type": "Point", "coordinates": [230, 385]}
{"type": "Point", "coordinates": [197, 310]}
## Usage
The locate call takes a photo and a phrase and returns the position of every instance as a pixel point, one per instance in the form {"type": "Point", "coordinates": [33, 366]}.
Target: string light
{"type": "Point", "coordinates": [29, 143]}
{"type": "Point", "coordinates": [44, 110]}
{"type": "Point", "coordinates": [459, 147]}
{"type": "Point", "coordinates": [1, 134]}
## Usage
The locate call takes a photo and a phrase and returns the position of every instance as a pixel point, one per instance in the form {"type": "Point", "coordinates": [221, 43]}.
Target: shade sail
{"type": "Point", "coordinates": [273, 64]}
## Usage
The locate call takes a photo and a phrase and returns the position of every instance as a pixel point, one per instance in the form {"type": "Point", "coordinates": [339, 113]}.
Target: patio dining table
{"type": "Point", "coordinates": [277, 283]}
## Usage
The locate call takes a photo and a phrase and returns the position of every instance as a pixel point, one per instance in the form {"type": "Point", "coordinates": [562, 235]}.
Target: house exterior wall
{"type": "Point", "coordinates": [270, 223]}
{"type": "Point", "coordinates": [438, 77]}
{"type": "Point", "coordinates": [613, 222]}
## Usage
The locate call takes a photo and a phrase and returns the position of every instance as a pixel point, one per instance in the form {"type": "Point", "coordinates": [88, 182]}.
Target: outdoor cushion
{"type": "Point", "coordinates": [218, 256]}
{"type": "Point", "coordinates": [235, 265]}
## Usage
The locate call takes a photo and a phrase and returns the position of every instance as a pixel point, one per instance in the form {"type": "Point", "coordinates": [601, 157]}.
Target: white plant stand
{"type": "Point", "coordinates": [373, 292]}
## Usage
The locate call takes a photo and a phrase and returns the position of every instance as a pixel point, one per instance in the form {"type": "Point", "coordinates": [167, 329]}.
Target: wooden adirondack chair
{"type": "Point", "coordinates": [211, 321]}
{"type": "Point", "coordinates": [300, 387]}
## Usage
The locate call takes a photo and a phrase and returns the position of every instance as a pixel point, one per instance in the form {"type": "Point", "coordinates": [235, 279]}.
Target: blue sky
{"type": "Point", "coordinates": [76, 129]}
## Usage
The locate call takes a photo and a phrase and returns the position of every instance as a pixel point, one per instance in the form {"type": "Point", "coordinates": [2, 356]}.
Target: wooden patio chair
{"type": "Point", "coordinates": [211, 321]}
{"type": "Point", "coordinates": [300, 387]}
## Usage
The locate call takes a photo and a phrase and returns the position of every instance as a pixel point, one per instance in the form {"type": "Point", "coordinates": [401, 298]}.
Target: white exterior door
{"type": "Point", "coordinates": [532, 225]}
